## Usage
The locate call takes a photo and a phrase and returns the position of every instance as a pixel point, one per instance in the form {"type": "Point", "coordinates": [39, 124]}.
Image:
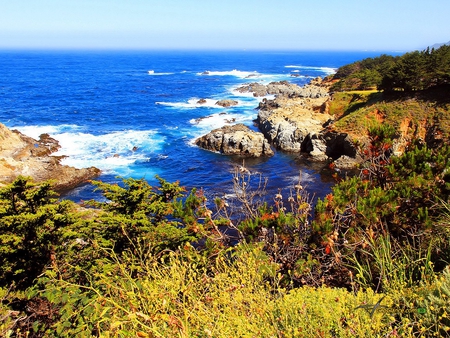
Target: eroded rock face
{"type": "Point", "coordinates": [23, 155]}
{"type": "Point", "coordinates": [334, 146]}
{"type": "Point", "coordinates": [291, 121]}
{"type": "Point", "coordinates": [236, 140]}
{"type": "Point", "coordinates": [296, 120]}
{"type": "Point", "coordinates": [298, 123]}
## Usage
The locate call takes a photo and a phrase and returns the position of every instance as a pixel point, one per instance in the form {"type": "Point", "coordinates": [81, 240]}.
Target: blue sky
{"type": "Point", "coordinates": [224, 24]}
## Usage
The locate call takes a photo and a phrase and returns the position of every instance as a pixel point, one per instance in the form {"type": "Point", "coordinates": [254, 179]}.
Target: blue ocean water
{"type": "Point", "coordinates": [135, 114]}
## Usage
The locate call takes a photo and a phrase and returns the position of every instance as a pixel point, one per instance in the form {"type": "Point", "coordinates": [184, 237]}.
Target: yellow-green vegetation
{"type": "Point", "coordinates": [412, 117]}
{"type": "Point", "coordinates": [231, 299]}
{"type": "Point", "coordinates": [413, 94]}
{"type": "Point", "coordinates": [231, 296]}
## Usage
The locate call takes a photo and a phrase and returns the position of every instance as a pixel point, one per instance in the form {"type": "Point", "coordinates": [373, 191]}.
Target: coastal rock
{"type": "Point", "coordinates": [236, 140]}
{"type": "Point", "coordinates": [284, 88]}
{"type": "Point", "coordinates": [227, 103]}
{"type": "Point", "coordinates": [298, 121]}
{"type": "Point", "coordinates": [23, 155]}
{"type": "Point", "coordinates": [256, 88]}
{"type": "Point", "coordinates": [293, 119]}
{"type": "Point", "coordinates": [332, 145]}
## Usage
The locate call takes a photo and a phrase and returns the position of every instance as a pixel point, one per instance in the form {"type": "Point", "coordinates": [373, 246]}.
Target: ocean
{"type": "Point", "coordinates": [136, 113]}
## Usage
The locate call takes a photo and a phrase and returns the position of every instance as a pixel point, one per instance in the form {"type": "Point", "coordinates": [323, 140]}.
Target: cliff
{"type": "Point", "coordinates": [23, 155]}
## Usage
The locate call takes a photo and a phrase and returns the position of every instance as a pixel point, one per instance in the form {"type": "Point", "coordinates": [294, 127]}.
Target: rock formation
{"type": "Point", "coordinates": [286, 122]}
{"type": "Point", "coordinates": [296, 120]}
{"type": "Point", "coordinates": [226, 103]}
{"type": "Point", "coordinates": [284, 88]}
{"type": "Point", "coordinates": [236, 140]}
{"type": "Point", "coordinates": [23, 155]}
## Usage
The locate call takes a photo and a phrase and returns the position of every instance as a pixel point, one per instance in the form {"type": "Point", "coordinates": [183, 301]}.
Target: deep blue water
{"type": "Point", "coordinates": [135, 114]}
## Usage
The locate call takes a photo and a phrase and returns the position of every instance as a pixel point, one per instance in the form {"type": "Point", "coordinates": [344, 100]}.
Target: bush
{"type": "Point", "coordinates": [32, 230]}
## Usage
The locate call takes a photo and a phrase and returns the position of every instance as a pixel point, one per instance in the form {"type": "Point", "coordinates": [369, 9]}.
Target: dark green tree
{"type": "Point", "coordinates": [163, 216]}
{"type": "Point", "coordinates": [32, 229]}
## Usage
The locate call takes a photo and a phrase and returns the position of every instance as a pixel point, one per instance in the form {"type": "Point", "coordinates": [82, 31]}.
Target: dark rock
{"type": "Point", "coordinates": [266, 104]}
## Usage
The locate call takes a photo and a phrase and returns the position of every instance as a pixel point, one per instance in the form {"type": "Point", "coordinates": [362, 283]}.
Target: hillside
{"type": "Point", "coordinates": [411, 93]}
{"type": "Point", "coordinates": [424, 115]}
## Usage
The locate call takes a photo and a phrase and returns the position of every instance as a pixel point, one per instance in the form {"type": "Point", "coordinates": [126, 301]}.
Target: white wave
{"type": "Point", "coordinates": [36, 131]}
{"type": "Point", "coordinates": [205, 124]}
{"type": "Point", "coordinates": [192, 103]}
{"type": "Point", "coordinates": [237, 73]}
{"type": "Point", "coordinates": [152, 72]}
{"type": "Point", "coordinates": [108, 151]}
{"type": "Point", "coordinates": [325, 70]}
{"type": "Point", "coordinates": [196, 103]}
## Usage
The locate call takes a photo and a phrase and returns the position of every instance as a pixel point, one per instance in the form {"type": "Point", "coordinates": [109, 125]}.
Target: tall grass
{"type": "Point", "coordinates": [235, 295]}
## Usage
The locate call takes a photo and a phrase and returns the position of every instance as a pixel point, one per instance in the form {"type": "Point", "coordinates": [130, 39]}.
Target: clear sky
{"type": "Point", "coordinates": [224, 24]}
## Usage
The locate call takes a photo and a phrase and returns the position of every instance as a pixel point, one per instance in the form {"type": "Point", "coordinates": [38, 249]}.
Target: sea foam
{"type": "Point", "coordinates": [152, 72]}
{"type": "Point", "coordinates": [108, 152]}
{"type": "Point", "coordinates": [325, 70]}
{"type": "Point", "coordinates": [196, 103]}
{"type": "Point", "coordinates": [237, 73]}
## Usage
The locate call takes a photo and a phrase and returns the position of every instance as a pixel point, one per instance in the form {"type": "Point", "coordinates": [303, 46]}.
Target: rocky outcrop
{"type": "Point", "coordinates": [296, 120]}
{"type": "Point", "coordinates": [284, 88]}
{"type": "Point", "coordinates": [332, 145]}
{"type": "Point", "coordinates": [23, 155]}
{"type": "Point", "coordinates": [236, 140]}
{"type": "Point", "coordinates": [227, 103]}
{"type": "Point", "coordinates": [286, 122]}
{"type": "Point", "coordinates": [298, 123]}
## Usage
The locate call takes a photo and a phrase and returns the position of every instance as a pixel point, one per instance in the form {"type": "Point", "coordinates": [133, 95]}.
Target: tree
{"type": "Point", "coordinates": [31, 229]}
{"type": "Point", "coordinates": [164, 216]}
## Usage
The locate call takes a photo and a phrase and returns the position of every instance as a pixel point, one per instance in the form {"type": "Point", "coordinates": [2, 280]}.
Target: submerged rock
{"type": "Point", "coordinates": [23, 155]}
{"type": "Point", "coordinates": [236, 140]}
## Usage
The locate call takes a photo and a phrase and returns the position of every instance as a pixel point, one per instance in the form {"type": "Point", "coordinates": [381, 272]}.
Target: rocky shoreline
{"type": "Point", "coordinates": [296, 120]}
{"type": "Point", "coordinates": [25, 156]}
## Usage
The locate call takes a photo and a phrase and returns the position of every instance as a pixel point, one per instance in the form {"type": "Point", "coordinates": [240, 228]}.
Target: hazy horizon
{"type": "Point", "coordinates": [288, 25]}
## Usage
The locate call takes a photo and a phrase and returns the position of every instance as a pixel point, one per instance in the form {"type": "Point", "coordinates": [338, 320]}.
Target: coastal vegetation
{"type": "Point", "coordinates": [369, 259]}
{"type": "Point", "coordinates": [413, 71]}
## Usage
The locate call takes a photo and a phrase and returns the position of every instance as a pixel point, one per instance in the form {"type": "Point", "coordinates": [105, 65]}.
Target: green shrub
{"type": "Point", "coordinates": [32, 230]}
